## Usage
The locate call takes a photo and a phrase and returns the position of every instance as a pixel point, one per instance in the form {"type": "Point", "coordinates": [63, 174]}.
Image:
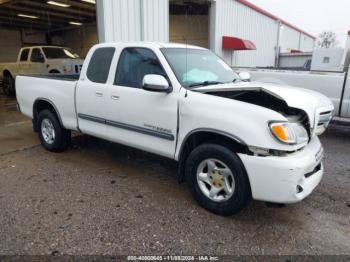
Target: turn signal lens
{"type": "Point", "coordinates": [290, 133]}
{"type": "Point", "coordinates": [279, 132]}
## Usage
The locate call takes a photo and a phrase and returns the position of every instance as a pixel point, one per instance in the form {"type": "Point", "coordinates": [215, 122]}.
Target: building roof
{"type": "Point", "coordinates": [268, 14]}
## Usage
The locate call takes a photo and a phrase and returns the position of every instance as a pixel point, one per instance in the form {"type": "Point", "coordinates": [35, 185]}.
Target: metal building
{"type": "Point", "coordinates": [231, 28]}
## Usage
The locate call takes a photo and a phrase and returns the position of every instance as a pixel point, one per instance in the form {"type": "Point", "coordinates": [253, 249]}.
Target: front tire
{"type": "Point", "coordinates": [217, 179]}
{"type": "Point", "coordinates": [52, 135]}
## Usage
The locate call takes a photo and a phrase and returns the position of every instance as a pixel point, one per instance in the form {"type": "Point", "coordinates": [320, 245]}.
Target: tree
{"type": "Point", "coordinates": [327, 39]}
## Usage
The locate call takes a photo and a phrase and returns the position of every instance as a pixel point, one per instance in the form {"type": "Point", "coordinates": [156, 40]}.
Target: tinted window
{"type": "Point", "coordinates": [134, 64]}
{"type": "Point", "coordinates": [24, 55]}
{"type": "Point", "coordinates": [59, 53]}
{"type": "Point", "coordinates": [100, 64]}
{"type": "Point", "coordinates": [37, 56]}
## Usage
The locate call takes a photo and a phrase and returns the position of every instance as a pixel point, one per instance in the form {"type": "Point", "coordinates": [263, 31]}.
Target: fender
{"type": "Point", "coordinates": [181, 154]}
{"type": "Point", "coordinates": [53, 106]}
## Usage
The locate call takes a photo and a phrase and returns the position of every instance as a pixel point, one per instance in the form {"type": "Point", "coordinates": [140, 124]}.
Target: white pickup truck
{"type": "Point", "coordinates": [39, 60]}
{"type": "Point", "coordinates": [233, 140]}
{"type": "Point", "coordinates": [335, 85]}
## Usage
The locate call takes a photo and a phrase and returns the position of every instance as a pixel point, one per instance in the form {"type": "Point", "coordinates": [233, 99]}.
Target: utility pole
{"type": "Point", "coordinates": [278, 48]}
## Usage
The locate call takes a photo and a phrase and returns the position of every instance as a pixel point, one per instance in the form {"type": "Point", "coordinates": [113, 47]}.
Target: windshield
{"type": "Point", "coordinates": [59, 53]}
{"type": "Point", "coordinates": [197, 67]}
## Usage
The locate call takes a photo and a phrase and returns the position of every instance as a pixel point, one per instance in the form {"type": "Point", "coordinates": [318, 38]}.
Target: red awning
{"type": "Point", "coordinates": [235, 43]}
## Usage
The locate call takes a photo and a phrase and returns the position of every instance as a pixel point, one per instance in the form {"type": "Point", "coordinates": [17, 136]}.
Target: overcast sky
{"type": "Point", "coordinates": [313, 16]}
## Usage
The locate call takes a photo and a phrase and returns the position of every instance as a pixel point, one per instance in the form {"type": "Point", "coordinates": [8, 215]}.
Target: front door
{"type": "Point", "coordinates": [37, 63]}
{"type": "Point", "coordinates": [23, 63]}
{"type": "Point", "coordinates": [136, 117]}
{"type": "Point", "coordinates": [92, 92]}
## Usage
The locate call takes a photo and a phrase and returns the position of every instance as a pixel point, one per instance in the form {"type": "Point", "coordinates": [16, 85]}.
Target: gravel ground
{"type": "Point", "coordinates": [103, 198]}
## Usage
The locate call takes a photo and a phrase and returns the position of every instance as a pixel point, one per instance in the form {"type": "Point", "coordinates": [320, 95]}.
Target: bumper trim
{"type": "Point", "coordinates": [277, 179]}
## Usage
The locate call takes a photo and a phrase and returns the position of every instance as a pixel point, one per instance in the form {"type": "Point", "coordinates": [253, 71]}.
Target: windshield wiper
{"type": "Point", "coordinates": [206, 83]}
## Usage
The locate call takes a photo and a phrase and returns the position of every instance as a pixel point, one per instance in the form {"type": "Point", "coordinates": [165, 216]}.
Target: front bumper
{"type": "Point", "coordinates": [285, 179]}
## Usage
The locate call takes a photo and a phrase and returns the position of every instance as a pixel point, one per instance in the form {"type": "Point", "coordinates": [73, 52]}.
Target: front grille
{"type": "Point", "coordinates": [325, 118]}
{"type": "Point", "coordinates": [78, 68]}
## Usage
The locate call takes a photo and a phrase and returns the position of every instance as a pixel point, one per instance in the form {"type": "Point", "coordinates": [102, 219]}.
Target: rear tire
{"type": "Point", "coordinates": [9, 85]}
{"type": "Point", "coordinates": [212, 168]}
{"type": "Point", "coordinates": [52, 135]}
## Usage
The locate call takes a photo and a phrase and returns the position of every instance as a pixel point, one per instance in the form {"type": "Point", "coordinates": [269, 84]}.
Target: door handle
{"type": "Point", "coordinates": [114, 97]}
{"type": "Point", "coordinates": [99, 94]}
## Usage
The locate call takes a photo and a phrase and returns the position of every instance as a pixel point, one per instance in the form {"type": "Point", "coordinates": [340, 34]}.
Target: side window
{"type": "Point", "coordinates": [37, 56]}
{"type": "Point", "coordinates": [24, 55]}
{"type": "Point", "coordinates": [134, 64]}
{"type": "Point", "coordinates": [99, 65]}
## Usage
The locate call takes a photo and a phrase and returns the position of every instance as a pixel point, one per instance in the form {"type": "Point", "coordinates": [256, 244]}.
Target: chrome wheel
{"type": "Point", "coordinates": [215, 180]}
{"type": "Point", "coordinates": [48, 131]}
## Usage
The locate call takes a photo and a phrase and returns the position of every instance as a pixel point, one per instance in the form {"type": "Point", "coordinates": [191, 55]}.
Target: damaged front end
{"type": "Point", "coordinates": [265, 99]}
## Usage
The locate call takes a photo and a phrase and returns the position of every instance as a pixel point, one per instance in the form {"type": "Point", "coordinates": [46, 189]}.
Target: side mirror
{"type": "Point", "coordinates": [245, 76]}
{"type": "Point", "coordinates": [156, 83]}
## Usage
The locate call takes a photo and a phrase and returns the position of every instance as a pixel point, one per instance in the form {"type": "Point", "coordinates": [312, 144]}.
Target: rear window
{"type": "Point", "coordinates": [100, 64]}
{"type": "Point", "coordinates": [24, 55]}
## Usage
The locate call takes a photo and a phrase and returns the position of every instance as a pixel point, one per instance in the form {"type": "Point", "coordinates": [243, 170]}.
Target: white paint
{"type": "Point", "coordinates": [294, 60]}
{"type": "Point", "coordinates": [289, 39]}
{"type": "Point", "coordinates": [62, 66]}
{"type": "Point", "coordinates": [328, 59]}
{"type": "Point", "coordinates": [133, 20]}
{"type": "Point", "coordinates": [329, 84]}
{"type": "Point", "coordinates": [272, 179]}
{"type": "Point", "coordinates": [231, 18]}
{"type": "Point", "coordinates": [307, 43]}
{"type": "Point", "coordinates": [275, 179]}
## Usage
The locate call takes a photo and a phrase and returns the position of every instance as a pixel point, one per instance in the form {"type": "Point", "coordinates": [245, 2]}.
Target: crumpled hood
{"type": "Point", "coordinates": [300, 98]}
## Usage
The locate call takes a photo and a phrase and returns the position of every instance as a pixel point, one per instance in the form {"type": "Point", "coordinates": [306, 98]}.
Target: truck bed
{"type": "Point", "coordinates": [57, 90]}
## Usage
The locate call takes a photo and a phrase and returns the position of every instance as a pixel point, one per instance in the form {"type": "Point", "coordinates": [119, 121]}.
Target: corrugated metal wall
{"type": "Point", "coordinates": [133, 20]}
{"type": "Point", "coordinates": [289, 39]}
{"type": "Point", "coordinates": [293, 39]}
{"type": "Point", "coordinates": [148, 20]}
{"type": "Point", "coordinates": [155, 20]}
{"type": "Point", "coordinates": [294, 61]}
{"type": "Point", "coordinates": [307, 43]}
{"type": "Point", "coordinates": [235, 19]}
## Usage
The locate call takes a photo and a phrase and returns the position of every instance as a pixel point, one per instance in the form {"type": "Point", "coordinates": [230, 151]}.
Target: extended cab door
{"type": "Point", "coordinates": [91, 92]}
{"type": "Point", "coordinates": [136, 117]}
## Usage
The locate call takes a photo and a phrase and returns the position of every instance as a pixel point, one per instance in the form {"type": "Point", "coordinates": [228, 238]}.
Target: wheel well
{"type": "Point", "coordinates": [54, 71]}
{"type": "Point", "coordinates": [201, 137]}
{"type": "Point", "coordinates": [39, 106]}
{"type": "Point", "coordinates": [7, 73]}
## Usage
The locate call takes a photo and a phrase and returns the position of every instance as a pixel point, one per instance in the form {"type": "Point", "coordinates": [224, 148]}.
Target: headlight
{"type": "Point", "coordinates": [289, 133]}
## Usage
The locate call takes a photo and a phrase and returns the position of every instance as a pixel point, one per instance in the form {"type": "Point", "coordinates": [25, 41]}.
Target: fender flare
{"type": "Point", "coordinates": [181, 160]}
{"type": "Point", "coordinates": [53, 106]}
